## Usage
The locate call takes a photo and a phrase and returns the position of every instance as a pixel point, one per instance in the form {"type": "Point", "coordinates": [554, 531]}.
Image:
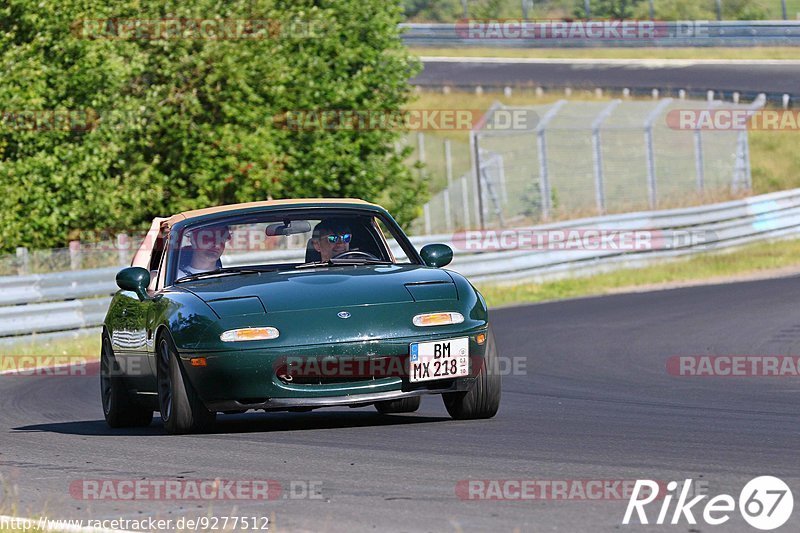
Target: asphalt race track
{"type": "Point", "coordinates": [595, 403]}
{"type": "Point", "coordinates": [747, 77]}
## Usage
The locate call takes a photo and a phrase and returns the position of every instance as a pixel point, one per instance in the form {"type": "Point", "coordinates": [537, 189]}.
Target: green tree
{"type": "Point", "coordinates": [163, 125]}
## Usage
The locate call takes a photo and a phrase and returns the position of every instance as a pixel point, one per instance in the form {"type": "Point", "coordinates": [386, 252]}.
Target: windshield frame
{"type": "Point", "coordinates": [179, 229]}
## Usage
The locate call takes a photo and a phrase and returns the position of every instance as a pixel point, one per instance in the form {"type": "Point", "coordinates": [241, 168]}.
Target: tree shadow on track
{"type": "Point", "coordinates": [245, 423]}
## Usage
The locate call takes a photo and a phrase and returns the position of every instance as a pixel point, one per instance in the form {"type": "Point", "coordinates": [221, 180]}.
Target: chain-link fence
{"type": "Point", "coordinates": [572, 159]}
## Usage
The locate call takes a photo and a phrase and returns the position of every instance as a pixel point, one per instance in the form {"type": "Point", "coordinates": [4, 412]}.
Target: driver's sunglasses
{"type": "Point", "coordinates": [345, 237]}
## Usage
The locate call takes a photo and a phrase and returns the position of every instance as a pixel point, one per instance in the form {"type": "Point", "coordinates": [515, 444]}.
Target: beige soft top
{"type": "Point", "coordinates": [186, 215]}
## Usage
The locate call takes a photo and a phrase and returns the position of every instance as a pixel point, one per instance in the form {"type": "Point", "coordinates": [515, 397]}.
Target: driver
{"type": "Point", "coordinates": [331, 237]}
{"type": "Point", "coordinates": [208, 244]}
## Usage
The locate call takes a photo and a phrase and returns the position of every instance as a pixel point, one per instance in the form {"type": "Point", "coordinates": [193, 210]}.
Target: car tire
{"type": "Point", "coordinates": [182, 411]}
{"type": "Point", "coordinates": [403, 405]}
{"type": "Point", "coordinates": [120, 409]}
{"type": "Point", "coordinates": [483, 399]}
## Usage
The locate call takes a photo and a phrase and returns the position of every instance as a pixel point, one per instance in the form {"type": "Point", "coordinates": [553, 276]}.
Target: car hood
{"type": "Point", "coordinates": [337, 286]}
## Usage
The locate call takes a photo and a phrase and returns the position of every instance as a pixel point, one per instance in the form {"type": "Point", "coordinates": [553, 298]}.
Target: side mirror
{"type": "Point", "coordinates": [134, 279]}
{"type": "Point", "coordinates": [436, 255]}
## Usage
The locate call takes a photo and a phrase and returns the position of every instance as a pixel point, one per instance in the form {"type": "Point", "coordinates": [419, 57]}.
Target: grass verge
{"type": "Point", "coordinates": [752, 261]}
{"type": "Point", "coordinates": [84, 345]}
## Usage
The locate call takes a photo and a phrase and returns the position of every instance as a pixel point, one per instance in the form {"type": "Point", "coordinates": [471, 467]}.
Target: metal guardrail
{"type": "Point", "coordinates": [667, 34]}
{"type": "Point", "coordinates": [67, 301]}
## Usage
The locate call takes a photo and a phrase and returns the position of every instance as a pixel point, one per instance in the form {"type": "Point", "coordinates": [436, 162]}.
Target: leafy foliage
{"type": "Point", "coordinates": [148, 125]}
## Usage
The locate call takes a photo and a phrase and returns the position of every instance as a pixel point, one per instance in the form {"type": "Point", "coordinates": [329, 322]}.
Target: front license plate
{"type": "Point", "coordinates": [438, 360]}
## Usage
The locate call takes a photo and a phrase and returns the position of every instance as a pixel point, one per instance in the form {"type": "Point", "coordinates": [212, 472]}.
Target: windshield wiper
{"type": "Point", "coordinates": [334, 262]}
{"type": "Point", "coordinates": [360, 261]}
{"type": "Point", "coordinates": [313, 264]}
{"type": "Point", "coordinates": [219, 272]}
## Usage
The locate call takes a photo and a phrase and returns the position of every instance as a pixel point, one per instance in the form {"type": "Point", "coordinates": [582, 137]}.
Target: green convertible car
{"type": "Point", "coordinates": [292, 305]}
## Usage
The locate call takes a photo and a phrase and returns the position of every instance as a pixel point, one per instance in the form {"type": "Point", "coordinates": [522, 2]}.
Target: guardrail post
{"type": "Point", "coordinates": [23, 261]}
{"type": "Point", "coordinates": [75, 255]}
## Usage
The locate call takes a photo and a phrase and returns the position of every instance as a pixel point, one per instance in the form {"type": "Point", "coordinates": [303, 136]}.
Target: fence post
{"type": "Point", "coordinates": [719, 9]}
{"type": "Point", "coordinates": [421, 151]}
{"type": "Point", "coordinates": [426, 209]}
{"type": "Point", "coordinates": [783, 9]}
{"type": "Point", "coordinates": [650, 153]}
{"type": "Point", "coordinates": [475, 156]}
{"type": "Point", "coordinates": [742, 175]}
{"type": "Point", "coordinates": [465, 201]}
{"type": "Point", "coordinates": [448, 170]}
{"type": "Point", "coordinates": [587, 8]}
{"type": "Point", "coordinates": [23, 261]}
{"type": "Point", "coordinates": [75, 255]}
{"type": "Point", "coordinates": [698, 160]}
{"type": "Point", "coordinates": [597, 156]}
{"type": "Point", "coordinates": [474, 142]}
{"type": "Point", "coordinates": [448, 162]}
{"type": "Point", "coordinates": [501, 177]}
{"type": "Point", "coordinates": [123, 248]}
{"type": "Point", "coordinates": [541, 145]}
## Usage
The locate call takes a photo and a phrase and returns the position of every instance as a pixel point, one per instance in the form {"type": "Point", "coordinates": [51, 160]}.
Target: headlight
{"type": "Point", "coordinates": [438, 319]}
{"type": "Point", "coordinates": [249, 334]}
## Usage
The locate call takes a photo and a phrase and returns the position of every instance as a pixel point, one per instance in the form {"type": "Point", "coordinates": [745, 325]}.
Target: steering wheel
{"type": "Point", "coordinates": [355, 254]}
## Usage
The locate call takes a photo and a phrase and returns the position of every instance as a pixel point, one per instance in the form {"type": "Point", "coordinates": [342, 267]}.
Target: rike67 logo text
{"type": "Point", "coordinates": [765, 502]}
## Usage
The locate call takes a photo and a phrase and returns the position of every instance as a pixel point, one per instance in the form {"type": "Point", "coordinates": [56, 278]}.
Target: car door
{"type": "Point", "coordinates": [133, 340]}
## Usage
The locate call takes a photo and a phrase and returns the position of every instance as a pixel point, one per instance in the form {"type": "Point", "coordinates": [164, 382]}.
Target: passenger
{"type": "Point", "coordinates": [208, 245]}
{"type": "Point", "coordinates": [331, 237]}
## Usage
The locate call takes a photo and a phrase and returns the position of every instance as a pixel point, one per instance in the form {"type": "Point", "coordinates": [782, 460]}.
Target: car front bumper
{"type": "Point", "coordinates": [240, 380]}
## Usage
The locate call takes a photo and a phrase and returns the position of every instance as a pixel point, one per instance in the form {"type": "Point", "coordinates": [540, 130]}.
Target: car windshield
{"type": "Point", "coordinates": [281, 241]}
